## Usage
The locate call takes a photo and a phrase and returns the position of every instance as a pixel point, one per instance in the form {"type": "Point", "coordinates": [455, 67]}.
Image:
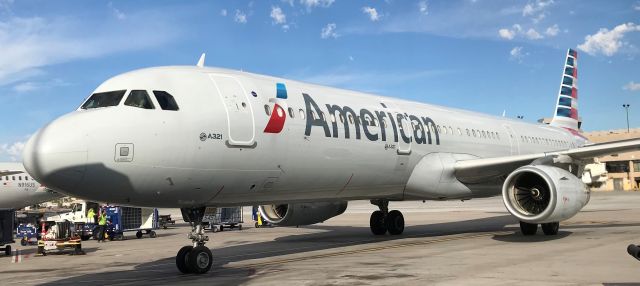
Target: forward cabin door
{"type": "Point", "coordinates": [513, 141]}
{"type": "Point", "coordinates": [402, 123]}
{"type": "Point", "coordinates": [240, 121]}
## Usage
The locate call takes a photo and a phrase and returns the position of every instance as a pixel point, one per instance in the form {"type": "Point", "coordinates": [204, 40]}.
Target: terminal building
{"type": "Point", "coordinates": [622, 170]}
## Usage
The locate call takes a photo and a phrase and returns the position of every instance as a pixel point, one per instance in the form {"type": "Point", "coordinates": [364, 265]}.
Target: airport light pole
{"type": "Point", "coordinates": [626, 107]}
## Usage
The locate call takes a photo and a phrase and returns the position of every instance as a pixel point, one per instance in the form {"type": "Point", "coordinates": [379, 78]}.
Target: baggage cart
{"type": "Point", "coordinates": [59, 237]}
{"type": "Point", "coordinates": [127, 219]}
{"type": "Point", "coordinates": [164, 220]}
{"type": "Point", "coordinates": [28, 234]}
{"type": "Point", "coordinates": [7, 218]}
{"type": "Point", "coordinates": [221, 218]}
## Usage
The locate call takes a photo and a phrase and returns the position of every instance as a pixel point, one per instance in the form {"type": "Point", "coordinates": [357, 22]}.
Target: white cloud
{"type": "Point", "coordinates": [509, 34]}
{"type": "Point", "coordinates": [310, 4]}
{"type": "Point", "coordinates": [552, 30]}
{"type": "Point", "coordinates": [240, 17]}
{"type": "Point", "coordinates": [532, 34]}
{"type": "Point", "coordinates": [223, 12]}
{"type": "Point", "coordinates": [536, 7]}
{"type": "Point", "coordinates": [329, 31]}
{"type": "Point", "coordinates": [516, 30]}
{"type": "Point", "coordinates": [29, 86]}
{"type": "Point", "coordinates": [607, 42]}
{"type": "Point", "coordinates": [27, 45]}
{"type": "Point", "coordinates": [117, 13]}
{"type": "Point", "coordinates": [506, 34]}
{"type": "Point", "coordinates": [277, 15]}
{"type": "Point", "coordinates": [14, 150]}
{"type": "Point", "coordinates": [372, 12]}
{"type": "Point", "coordinates": [516, 54]}
{"type": "Point", "coordinates": [637, 6]}
{"type": "Point", "coordinates": [290, 2]}
{"type": "Point", "coordinates": [25, 86]}
{"type": "Point", "coordinates": [632, 86]}
{"type": "Point", "coordinates": [423, 7]}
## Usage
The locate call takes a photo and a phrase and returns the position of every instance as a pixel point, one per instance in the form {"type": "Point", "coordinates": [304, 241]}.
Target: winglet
{"type": "Point", "coordinates": [201, 61]}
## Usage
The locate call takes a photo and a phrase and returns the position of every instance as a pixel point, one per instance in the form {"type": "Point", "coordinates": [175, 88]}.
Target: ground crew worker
{"type": "Point", "coordinates": [91, 216]}
{"type": "Point", "coordinates": [102, 225]}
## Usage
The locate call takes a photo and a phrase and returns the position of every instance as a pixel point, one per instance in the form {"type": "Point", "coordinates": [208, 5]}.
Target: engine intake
{"type": "Point", "coordinates": [541, 194]}
{"type": "Point", "coordinates": [301, 213]}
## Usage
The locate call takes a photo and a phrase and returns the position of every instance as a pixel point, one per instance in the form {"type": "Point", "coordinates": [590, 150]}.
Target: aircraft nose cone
{"type": "Point", "coordinates": [56, 156]}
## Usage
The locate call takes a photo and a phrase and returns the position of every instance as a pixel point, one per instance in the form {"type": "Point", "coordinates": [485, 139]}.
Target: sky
{"type": "Point", "coordinates": [489, 56]}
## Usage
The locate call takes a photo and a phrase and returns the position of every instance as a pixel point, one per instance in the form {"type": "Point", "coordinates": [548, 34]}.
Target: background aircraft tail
{"type": "Point", "coordinates": [566, 112]}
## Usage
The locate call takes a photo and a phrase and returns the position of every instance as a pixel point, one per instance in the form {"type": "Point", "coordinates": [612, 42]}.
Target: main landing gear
{"type": "Point", "coordinates": [196, 258]}
{"type": "Point", "coordinates": [384, 221]}
{"type": "Point", "coordinates": [550, 228]}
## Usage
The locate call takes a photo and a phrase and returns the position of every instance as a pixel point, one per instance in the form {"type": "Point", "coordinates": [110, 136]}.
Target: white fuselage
{"type": "Point", "coordinates": [20, 189]}
{"type": "Point", "coordinates": [214, 151]}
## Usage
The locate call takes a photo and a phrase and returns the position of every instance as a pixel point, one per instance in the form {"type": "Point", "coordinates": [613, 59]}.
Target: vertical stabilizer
{"type": "Point", "coordinates": [566, 112]}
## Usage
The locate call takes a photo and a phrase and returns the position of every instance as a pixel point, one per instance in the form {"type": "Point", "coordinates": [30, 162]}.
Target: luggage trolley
{"type": "Point", "coordinates": [219, 218]}
{"type": "Point", "coordinates": [126, 219]}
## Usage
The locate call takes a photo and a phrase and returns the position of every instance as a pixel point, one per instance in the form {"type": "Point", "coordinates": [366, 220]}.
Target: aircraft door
{"type": "Point", "coordinates": [513, 141]}
{"type": "Point", "coordinates": [404, 127]}
{"type": "Point", "coordinates": [240, 121]}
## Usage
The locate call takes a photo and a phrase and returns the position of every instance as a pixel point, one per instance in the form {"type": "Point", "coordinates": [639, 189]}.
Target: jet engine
{"type": "Point", "coordinates": [543, 194]}
{"type": "Point", "coordinates": [301, 213]}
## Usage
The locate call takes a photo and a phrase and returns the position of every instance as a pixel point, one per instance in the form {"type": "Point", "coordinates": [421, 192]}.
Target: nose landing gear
{"type": "Point", "coordinates": [384, 221]}
{"type": "Point", "coordinates": [196, 258]}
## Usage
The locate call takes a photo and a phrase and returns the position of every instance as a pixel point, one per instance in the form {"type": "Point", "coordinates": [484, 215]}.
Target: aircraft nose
{"type": "Point", "coordinates": [56, 156]}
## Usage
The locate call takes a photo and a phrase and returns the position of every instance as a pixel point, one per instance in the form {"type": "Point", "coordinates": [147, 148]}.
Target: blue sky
{"type": "Point", "coordinates": [487, 56]}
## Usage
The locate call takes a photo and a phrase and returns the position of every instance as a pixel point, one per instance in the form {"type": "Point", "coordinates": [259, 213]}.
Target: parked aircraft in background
{"type": "Point", "coordinates": [18, 189]}
{"type": "Point", "coordinates": [192, 137]}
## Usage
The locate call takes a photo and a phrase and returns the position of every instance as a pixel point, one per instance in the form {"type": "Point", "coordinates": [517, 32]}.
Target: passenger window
{"type": "Point", "coordinates": [104, 99]}
{"type": "Point", "coordinates": [468, 134]}
{"type": "Point", "coordinates": [267, 110]}
{"type": "Point", "coordinates": [474, 132]}
{"type": "Point", "coordinates": [166, 100]}
{"type": "Point", "coordinates": [350, 119]}
{"type": "Point", "coordinates": [291, 114]}
{"type": "Point", "coordinates": [140, 99]}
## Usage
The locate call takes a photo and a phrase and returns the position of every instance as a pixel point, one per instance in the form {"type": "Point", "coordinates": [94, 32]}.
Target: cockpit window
{"type": "Point", "coordinates": [165, 100]}
{"type": "Point", "coordinates": [140, 99]}
{"type": "Point", "coordinates": [104, 99]}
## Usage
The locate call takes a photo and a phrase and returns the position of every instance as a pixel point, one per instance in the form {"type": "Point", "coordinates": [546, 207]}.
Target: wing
{"type": "Point", "coordinates": [10, 172]}
{"type": "Point", "coordinates": [477, 170]}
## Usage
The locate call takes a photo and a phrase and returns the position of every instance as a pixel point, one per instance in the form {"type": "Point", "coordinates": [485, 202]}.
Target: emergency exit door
{"type": "Point", "coordinates": [240, 122]}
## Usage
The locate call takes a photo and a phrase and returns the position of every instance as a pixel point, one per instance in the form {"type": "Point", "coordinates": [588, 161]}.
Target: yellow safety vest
{"type": "Point", "coordinates": [103, 220]}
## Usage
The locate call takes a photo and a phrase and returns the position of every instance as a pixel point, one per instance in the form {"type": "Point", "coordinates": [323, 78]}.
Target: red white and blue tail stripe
{"type": "Point", "coordinates": [566, 112]}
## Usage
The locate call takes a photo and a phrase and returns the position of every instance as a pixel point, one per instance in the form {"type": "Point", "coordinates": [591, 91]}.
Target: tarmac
{"type": "Point", "coordinates": [474, 242]}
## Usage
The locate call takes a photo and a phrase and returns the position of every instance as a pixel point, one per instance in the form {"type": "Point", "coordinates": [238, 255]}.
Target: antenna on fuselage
{"type": "Point", "coordinates": [201, 61]}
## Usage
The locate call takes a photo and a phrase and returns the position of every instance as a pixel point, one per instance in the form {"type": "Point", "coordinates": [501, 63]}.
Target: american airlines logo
{"type": "Point", "coordinates": [405, 127]}
{"type": "Point", "coordinates": [421, 130]}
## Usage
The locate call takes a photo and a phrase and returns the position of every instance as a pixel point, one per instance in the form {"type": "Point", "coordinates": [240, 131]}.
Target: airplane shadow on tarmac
{"type": "Point", "coordinates": [164, 271]}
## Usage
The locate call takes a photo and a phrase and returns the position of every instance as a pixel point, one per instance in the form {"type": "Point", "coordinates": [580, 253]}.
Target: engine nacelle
{"type": "Point", "coordinates": [301, 213]}
{"type": "Point", "coordinates": [542, 194]}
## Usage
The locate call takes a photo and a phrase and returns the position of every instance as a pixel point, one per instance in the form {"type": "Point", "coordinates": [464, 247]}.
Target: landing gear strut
{"type": "Point", "coordinates": [195, 258]}
{"type": "Point", "coordinates": [383, 220]}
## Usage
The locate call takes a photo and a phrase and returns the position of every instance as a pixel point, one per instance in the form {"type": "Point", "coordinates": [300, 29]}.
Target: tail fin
{"type": "Point", "coordinates": [566, 113]}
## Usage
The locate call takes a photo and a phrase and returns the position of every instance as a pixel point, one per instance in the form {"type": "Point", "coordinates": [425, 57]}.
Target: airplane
{"type": "Point", "coordinates": [194, 136]}
{"type": "Point", "coordinates": [18, 189]}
